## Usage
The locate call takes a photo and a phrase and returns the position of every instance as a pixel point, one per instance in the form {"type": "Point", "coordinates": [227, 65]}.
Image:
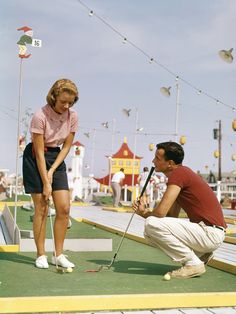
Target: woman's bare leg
{"type": "Point", "coordinates": [39, 222]}
{"type": "Point", "coordinates": [61, 201]}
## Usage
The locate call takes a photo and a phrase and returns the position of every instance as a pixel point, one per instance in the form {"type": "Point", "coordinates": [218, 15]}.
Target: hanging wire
{"type": "Point", "coordinates": [125, 132]}
{"type": "Point", "coordinates": [152, 59]}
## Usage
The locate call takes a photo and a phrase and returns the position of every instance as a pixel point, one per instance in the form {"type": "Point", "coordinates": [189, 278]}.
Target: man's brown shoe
{"type": "Point", "coordinates": [205, 258]}
{"type": "Point", "coordinates": [188, 271]}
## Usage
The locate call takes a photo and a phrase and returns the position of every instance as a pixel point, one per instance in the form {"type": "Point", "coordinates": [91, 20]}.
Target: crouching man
{"type": "Point", "coordinates": [189, 242]}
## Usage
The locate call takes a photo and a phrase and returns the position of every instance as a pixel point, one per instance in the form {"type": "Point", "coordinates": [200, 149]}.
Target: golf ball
{"type": "Point", "coordinates": [167, 277]}
{"type": "Point", "coordinates": [69, 270]}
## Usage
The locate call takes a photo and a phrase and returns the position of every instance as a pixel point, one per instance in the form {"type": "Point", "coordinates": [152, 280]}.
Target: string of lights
{"type": "Point", "coordinates": [124, 132]}
{"type": "Point", "coordinates": [153, 60]}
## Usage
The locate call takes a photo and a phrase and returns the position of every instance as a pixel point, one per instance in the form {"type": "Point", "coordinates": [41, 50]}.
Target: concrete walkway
{"type": "Point", "coordinates": [119, 221]}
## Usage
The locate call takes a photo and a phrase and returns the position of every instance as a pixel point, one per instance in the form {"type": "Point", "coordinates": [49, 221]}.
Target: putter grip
{"type": "Point", "coordinates": [147, 180]}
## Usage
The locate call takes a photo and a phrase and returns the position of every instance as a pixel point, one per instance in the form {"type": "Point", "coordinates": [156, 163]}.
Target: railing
{"type": "Point", "coordinates": [221, 189]}
{"type": "Point", "coordinates": [224, 189]}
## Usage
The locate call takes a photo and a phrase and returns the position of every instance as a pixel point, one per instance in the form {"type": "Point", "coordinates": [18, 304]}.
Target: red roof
{"type": "Point", "coordinates": [127, 180]}
{"type": "Point", "coordinates": [125, 152]}
{"type": "Point", "coordinates": [77, 143]}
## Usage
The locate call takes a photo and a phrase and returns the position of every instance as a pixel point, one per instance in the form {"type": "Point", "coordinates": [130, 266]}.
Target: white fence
{"type": "Point", "coordinates": [221, 189]}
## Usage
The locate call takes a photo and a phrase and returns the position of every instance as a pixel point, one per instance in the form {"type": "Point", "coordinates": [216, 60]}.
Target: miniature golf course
{"type": "Point", "coordinates": [138, 269]}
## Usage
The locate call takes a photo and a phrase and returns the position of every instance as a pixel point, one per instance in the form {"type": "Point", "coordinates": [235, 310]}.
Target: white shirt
{"type": "Point", "coordinates": [117, 177]}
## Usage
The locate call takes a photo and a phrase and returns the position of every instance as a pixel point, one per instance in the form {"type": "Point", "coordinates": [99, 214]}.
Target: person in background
{"type": "Point", "coordinates": [141, 181]}
{"type": "Point", "coordinates": [211, 178]}
{"type": "Point", "coordinates": [116, 185]}
{"type": "Point", "coordinates": [52, 130]}
{"type": "Point", "coordinates": [3, 186]}
{"type": "Point", "coordinates": [188, 242]}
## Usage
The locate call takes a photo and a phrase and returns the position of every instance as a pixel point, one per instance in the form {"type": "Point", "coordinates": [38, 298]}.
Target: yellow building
{"type": "Point", "coordinates": [123, 158]}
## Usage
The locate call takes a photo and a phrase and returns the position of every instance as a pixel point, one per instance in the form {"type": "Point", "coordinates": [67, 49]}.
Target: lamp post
{"type": "Point", "coordinates": [112, 149]}
{"type": "Point", "coordinates": [92, 155]}
{"type": "Point", "coordinates": [110, 167]}
{"type": "Point", "coordinates": [166, 92]}
{"type": "Point", "coordinates": [135, 146]}
{"type": "Point", "coordinates": [217, 135]}
{"type": "Point", "coordinates": [137, 129]}
{"type": "Point", "coordinates": [177, 109]}
{"type": "Point", "coordinates": [219, 146]}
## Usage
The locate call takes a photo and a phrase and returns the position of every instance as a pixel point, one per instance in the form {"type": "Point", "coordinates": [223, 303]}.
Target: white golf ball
{"type": "Point", "coordinates": [69, 270]}
{"type": "Point", "coordinates": [167, 277]}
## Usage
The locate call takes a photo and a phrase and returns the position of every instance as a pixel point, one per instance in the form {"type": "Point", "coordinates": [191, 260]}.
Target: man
{"type": "Point", "coordinates": [116, 184]}
{"type": "Point", "coordinates": [141, 180]}
{"type": "Point", "coordinates": [192, 242]}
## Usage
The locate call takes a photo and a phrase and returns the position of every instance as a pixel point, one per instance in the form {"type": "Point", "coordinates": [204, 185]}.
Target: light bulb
{"type": "Point", "coordinates": [165, 91]}
{"type": "Point", "coordinates": [226, 55]}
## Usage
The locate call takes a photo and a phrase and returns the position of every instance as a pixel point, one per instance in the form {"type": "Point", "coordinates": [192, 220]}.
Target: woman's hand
{"type": "Point", "coordinates": [139, 207]}
{"type": "Point", "coordinates": [47, 191]}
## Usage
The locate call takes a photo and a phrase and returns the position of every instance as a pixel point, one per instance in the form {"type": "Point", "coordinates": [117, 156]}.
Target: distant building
{"type": "Point", "coordinates": [123, 158]}
{"type": "Point", "coordinates": [77, 168]}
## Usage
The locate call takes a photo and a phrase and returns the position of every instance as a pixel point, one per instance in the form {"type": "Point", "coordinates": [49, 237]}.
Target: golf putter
{"type": "Point", "coordinates": [124, 234]}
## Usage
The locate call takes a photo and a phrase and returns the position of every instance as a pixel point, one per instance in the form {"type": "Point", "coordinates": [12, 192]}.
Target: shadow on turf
{"type": "Point", "coordinates": [136, 267]}
{"type": "Point", "coordinates": [17, 258]}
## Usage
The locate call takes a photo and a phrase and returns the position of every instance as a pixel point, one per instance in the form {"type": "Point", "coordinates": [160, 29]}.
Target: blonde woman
{"type": "Point", "coordinates": [52, 130]}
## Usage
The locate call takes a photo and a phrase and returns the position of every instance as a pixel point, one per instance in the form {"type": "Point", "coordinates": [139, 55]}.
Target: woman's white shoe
{"type": "Point", "coordinates": [42, 262]}
{"type": "Point", "coordinates": [62, 261]}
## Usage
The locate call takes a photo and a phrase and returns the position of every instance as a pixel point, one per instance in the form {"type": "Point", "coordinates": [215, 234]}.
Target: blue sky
{"type": "Point", "coordinates": [184, 35]}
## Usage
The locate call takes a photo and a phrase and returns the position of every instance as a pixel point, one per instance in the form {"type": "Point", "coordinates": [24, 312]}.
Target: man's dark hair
{"type": "Point", "coordinates": [173, 151]}
{"type": "Point", "coordinates": [122, 169]}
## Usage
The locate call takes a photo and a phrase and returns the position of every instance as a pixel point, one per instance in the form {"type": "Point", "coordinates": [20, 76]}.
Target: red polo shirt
{"type": "Point", "coordinates": [196, 197]}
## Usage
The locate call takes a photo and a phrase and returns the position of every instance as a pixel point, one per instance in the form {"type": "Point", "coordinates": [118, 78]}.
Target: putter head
{"type": "Point", "coordinates": [60, 270]}
{"type": "Point", "coordinates": [105, 267]}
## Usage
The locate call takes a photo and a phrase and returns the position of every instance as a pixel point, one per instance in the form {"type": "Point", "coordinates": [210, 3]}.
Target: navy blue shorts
{"type": "Point", "coordinates": [31, 178]}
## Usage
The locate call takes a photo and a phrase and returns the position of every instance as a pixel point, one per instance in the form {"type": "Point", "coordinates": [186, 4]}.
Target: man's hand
{"type": "Point", "coordinates": [139, 207]}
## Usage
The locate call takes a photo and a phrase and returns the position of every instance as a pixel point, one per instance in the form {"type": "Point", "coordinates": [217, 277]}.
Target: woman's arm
{"type": "Point", "coordinates": [62, 155]}
{"type": "Point", "coordinates": [64, 152]}
{"type": "Point", "coordinates": [38, 145]}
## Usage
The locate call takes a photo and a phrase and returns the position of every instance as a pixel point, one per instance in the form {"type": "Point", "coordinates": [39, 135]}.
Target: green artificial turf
{"type": "Point", "coordinates": [77, 230]}
{"type": "Point", "coordinates": [233, 235]}
{"type": "Point", "coordinates": [104, 200]}
{"type": "Point", "coordinates": [138, 268]}
{"type": "Point", "coordinates": [24, 197]}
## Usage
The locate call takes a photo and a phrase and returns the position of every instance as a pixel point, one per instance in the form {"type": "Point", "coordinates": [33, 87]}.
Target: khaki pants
{"type": "Point", "coordinates": [181, 239]}
{"type": "Point", "coordinates": [116, 189]}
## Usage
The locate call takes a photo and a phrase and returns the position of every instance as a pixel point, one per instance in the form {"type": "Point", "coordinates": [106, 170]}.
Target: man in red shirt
{"type": "Point", "coordinates": [189, 242]}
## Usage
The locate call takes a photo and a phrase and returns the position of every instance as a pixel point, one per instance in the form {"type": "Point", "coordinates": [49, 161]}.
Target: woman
{"type": "Point", "coordinates": [44, 169]}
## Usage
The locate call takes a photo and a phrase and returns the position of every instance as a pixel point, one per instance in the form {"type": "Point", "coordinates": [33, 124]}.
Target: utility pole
{"type": "Point", "coordinates": [219, 148]}
{"type": "Point", "coordinates": [217, 135]}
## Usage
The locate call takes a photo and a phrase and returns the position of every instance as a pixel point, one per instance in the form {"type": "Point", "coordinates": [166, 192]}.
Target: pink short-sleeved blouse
{"type": "Point", "coordinates": [54, 126]}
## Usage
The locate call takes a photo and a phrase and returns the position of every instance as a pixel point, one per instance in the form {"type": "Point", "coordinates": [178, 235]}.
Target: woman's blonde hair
{"type": "Point", "coordinates": [62, 85]}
